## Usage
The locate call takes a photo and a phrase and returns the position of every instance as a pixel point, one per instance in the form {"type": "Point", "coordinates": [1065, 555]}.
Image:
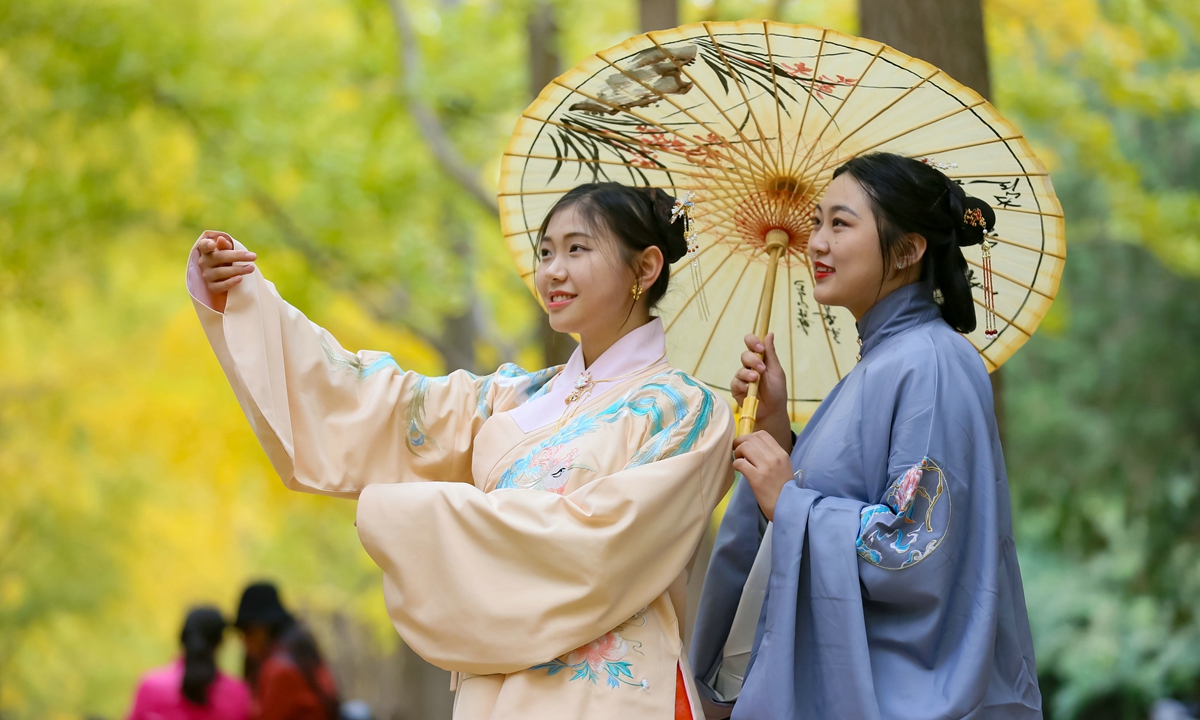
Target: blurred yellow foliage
{"type": "Point", "coordinates": [130, 484]}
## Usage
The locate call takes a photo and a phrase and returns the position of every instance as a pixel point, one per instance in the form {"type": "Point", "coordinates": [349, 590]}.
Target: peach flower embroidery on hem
{"type": "Point", "coordinates": [602, 656]}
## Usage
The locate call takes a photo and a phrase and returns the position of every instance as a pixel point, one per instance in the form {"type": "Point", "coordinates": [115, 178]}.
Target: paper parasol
{"type": "Point", "coordinates": [754, 117]}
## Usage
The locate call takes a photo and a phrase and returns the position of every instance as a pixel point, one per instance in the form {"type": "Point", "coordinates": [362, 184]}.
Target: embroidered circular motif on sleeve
{"type": "Point", "coordinates": [912, 521]}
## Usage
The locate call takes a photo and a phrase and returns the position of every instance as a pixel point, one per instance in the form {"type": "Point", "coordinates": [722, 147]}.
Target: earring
{"type": "Point", "coordinates": [900, 266]}
{"type": "Point", "coordinates": [637, 291]}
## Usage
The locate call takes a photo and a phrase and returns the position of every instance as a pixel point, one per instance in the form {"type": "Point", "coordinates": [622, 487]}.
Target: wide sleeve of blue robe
{"type": "Point", "coordinates": [893, 590]}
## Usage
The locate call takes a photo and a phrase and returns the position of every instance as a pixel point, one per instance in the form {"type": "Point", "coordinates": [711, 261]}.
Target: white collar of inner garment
{"type": "Point", "coordinates": [637, 350]}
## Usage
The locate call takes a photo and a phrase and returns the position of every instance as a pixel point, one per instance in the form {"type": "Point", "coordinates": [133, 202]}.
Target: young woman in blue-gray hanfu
{"type": "Point", "coordinates": [889, 575]}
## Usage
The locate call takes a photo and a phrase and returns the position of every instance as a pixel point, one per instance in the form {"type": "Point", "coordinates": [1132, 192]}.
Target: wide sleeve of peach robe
{"type": "Point", "coordinates": [511, 578]}
{"type": "Point", "coordinates": [333, 422]}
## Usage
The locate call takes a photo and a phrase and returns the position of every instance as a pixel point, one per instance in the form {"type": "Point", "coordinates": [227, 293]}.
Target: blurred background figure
{"type": "Point", "coordinates": [287, 676]}
{"type": "Point", "coordinates": [192, 688]}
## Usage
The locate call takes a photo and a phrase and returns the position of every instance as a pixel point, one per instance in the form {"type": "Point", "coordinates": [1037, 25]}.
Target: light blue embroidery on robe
{"type": "Point", "coordinates": [510, 374]}
{"type": "Point", "coordinates": [414, 410]}
{"type": "Point", "coordinates": [653, 400]}
{"type": "Point", "coordinates": [355, 364]}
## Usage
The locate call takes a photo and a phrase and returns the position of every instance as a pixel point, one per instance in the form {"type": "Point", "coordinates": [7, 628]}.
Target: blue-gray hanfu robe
{"type": "Point", "coordinates": [893, 589]}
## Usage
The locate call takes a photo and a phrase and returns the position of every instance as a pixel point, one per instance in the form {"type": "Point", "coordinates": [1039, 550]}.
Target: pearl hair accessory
{"type": "Point", "coordinates": [939, 166]}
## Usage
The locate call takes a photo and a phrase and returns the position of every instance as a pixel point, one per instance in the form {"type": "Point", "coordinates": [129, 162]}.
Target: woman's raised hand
{"type": "Point", "coordinates": [759, 362]}
{"type": "Point", "coordinates": [217, 268]}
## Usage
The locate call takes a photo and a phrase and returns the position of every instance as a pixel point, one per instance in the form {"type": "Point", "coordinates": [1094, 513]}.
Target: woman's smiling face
{"type": "Point", "coordinates": [844, 249]}
{"type": "Point", "coordinates": [580, 276]}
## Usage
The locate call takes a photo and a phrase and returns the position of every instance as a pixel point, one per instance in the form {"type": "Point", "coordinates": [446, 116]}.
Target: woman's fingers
{"type": "Point", "coordinates": [738, 389]}
{"type": "Point", "coordinates": [757, 447]}
{"type": "Point", "coordinates": [220, 258]}
{"type": "Point", "coordinates": [753, 361]}
{"type": "Point", "coordinates": [224, 272]}
{"type": "Point", "coordinates": [213, 240]}
{"type": "Point", "coordinates": [746, 375]}
{"type": "Point", "coordinates": [771, 359]}
{"type": "Point", "coordinates": [217, 235]}
{"type": "Point", "coordinates": [738, 442]}
{"type": "Point", "coordinates": [753, 344]}
{"type": "Point", "coordinates": [224, 285]}
{"type": "Point", "coordinates": [748, 446]}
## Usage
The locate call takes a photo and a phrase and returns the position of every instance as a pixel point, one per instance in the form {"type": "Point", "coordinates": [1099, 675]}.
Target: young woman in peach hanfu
{"type": "Point", "coordinates": [547, 566]}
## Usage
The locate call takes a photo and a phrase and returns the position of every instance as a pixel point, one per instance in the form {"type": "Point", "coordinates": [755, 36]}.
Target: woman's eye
{"type": "Point", "coordinates": [838, 221]}
{"type": "Point", "coordinates": [577, 247]}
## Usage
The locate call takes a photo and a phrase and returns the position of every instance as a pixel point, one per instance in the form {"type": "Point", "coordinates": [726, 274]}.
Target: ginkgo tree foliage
{"type": "Point", "coordinates": [131, 486]}
{"type": "Point", "coordinates": [1103, 441]}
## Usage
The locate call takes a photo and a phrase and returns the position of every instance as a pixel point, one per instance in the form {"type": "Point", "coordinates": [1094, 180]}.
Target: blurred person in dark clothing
{"type": "Point", "coordinates": [287, 676]}
{"type": "Point", "coordinates": [192, 688]}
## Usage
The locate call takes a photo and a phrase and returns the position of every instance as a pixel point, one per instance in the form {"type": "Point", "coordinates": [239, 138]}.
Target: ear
{"type": "Point", "coordinates": [915, 246]}
{"type": "Point", "coordinates": [912, 249]}
{"type": "Point", "coordinates": [650, 265]}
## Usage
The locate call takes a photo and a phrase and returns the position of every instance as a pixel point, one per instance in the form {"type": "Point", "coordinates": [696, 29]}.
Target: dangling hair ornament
{"type": "Point", "coordinates": [974, 218]}
{"type": "Point", "coordinates": [685, 207]}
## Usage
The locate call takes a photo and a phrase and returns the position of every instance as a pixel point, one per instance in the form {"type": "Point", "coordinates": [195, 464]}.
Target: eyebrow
{"type": "Point", "coordinates": [844, 208]}
{"type": "Point", "coordinates": [570, 235]}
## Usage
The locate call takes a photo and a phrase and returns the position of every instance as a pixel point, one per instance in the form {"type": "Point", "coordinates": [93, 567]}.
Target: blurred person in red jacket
{"type": "Point", "coordinates": [192, 688]}
{"type": "Point", "coordinates": [287, 676]}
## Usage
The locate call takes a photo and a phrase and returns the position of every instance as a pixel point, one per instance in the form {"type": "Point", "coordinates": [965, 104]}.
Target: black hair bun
{"type": "Point", "coordinates": [674, 245]}
{"type": "Point", "coordinates": [975, 218]}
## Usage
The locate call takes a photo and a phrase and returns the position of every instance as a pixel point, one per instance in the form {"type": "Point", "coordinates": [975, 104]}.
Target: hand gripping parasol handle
{"type": "Point", "coordinates": [777, 241]}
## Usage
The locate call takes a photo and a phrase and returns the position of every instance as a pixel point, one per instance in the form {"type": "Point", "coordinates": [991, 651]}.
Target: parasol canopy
{"type": "Point", "coordinates": [753, 117]}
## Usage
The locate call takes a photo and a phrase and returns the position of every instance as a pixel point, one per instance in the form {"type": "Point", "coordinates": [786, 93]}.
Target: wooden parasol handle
{"type": "Point", "coordinates": [777, 241]}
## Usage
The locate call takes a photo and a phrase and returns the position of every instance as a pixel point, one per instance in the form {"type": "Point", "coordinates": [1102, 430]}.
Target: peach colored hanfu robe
{"type": "Point", "coordinates": [547, 566]}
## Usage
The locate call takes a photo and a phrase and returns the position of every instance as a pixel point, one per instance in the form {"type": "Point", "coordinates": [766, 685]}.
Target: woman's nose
{"type": "Point", "coordinates": [817, 244]}
{"type": "Point", "coordinates": [554, 268]}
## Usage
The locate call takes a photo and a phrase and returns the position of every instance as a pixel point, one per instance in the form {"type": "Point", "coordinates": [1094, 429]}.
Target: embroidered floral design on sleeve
{"type": "Point", "coordinates": [912, 521]}
{"type": "Point", "coordinates": [602, 657]}
{"type": "Point", "coordinates": [675, 428]}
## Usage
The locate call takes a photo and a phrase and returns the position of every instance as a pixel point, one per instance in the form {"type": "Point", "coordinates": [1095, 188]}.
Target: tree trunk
{"type": "Point", "coordinates": [461, 331]}
{"type": "Point", "coordinates": [946, 33]}
{"type": "Point", "coordinates": [949, 34]}
{"type": "Point", "coordinates": [657, 14]}
{"type": "Point", "coordinates": [542, 30]}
